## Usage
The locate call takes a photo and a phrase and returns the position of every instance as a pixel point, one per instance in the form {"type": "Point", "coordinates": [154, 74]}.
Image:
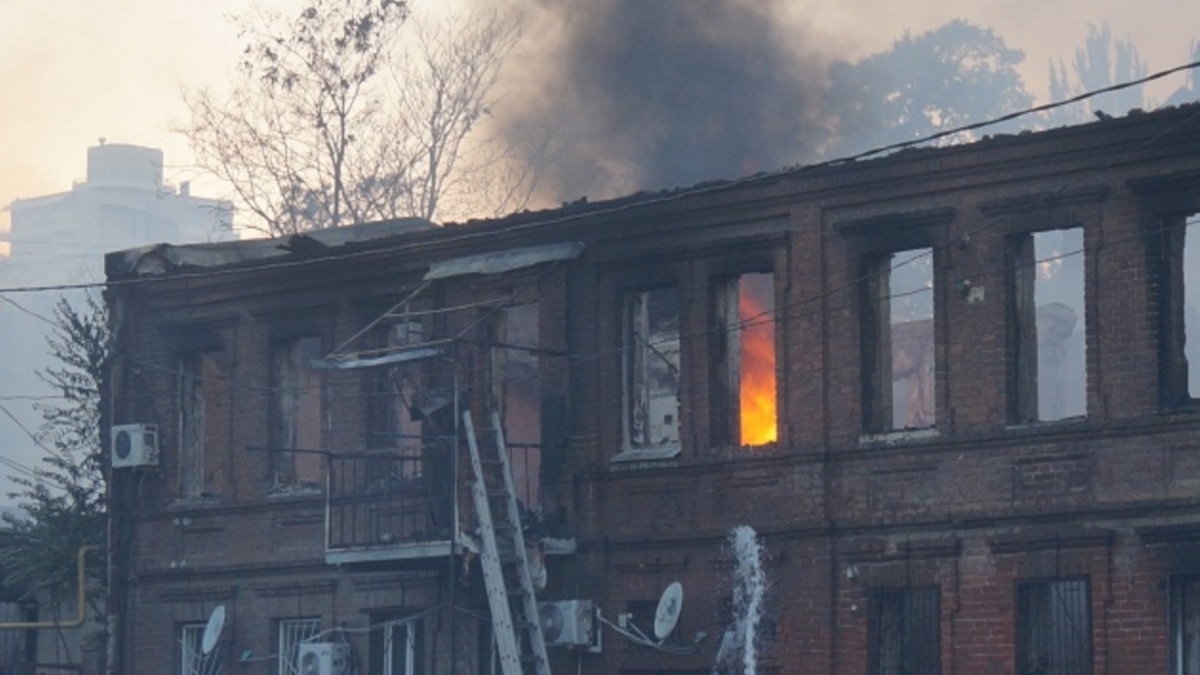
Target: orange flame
{"type": "Point", "coordinates": [757, 386]}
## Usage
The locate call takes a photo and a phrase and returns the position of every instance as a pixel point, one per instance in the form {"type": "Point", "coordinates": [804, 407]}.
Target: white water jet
{"type": "Point", "coordinates": [749, 586]}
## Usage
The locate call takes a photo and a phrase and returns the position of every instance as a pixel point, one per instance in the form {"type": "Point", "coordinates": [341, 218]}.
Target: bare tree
{"type": "Point", "coordinates": [350, 112]}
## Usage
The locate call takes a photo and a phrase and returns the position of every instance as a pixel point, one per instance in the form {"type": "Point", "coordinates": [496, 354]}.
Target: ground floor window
{"type": "Point", "coordinates": [903, 637]}
{"type": "Point", "coordinates": [1054, 627]}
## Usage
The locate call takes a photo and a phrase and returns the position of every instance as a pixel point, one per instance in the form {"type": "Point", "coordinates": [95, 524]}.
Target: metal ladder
{"type": "Point", "coordinates": [515, 623]}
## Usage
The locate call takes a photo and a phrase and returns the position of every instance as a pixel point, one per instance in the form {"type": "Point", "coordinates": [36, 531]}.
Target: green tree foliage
{"type": "Point", "coordinates": [65, 503]}
{"type": "Point", "coordinates": [1103, 61]}
{"type": "Point", "coordinates": [951, 76]}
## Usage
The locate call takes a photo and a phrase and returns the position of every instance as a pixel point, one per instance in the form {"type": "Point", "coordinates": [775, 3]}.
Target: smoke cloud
{"type": "Point", "coordinates": [622, 95]}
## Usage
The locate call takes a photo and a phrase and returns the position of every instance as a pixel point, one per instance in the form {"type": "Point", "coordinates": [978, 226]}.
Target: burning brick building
{"type": "Point", "coordinates": [953, 390]}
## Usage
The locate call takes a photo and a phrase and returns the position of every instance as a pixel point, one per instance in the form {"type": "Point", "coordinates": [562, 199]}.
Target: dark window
{"type": "Point", "coordinates": [1047, 326]}
{"type": "Point", "coordinates": [1185, 625]}
{"type": "Point", "coordinates": [742, 381]}
{"type": "Point", "coordinates": [903, 637]}
{"type": "Point", "coordinates": [297, 412]}
{"type": "Point", "coordinates": [404, 647]}
{"type": "Point", "coordinates": [516, 396]}
{"type": "Point", "coordinates": [651, 347]}
{"type": "Point", "coordinates": [201, 402]}
{"type": "Point", "coordinates": [899, 364]}
{"type": "Point", "coordinates": [1054, 627]}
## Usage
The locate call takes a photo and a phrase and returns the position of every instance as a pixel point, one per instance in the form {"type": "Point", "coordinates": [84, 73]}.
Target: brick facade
{"type": "Point", "coordinates": [990, 509]}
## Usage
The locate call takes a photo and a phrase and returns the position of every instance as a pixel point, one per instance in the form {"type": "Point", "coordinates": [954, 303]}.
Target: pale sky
{"type": "Point", "coordinates": [76, 70]}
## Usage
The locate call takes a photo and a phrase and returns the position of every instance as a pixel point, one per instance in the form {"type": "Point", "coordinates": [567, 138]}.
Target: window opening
{"type": "Point", "coordinates": [201, 399]}
{"type": "Point", "coordinates": [652, 351]}
{"type": "Point", "coordinates": [744, 401]}
{"type": "Point", "coordinates": [297, 416]}
{"type": "Point", "coordinates": [900, 365]}
{"type": "Point", "coordinates": [1191, 303]}
{"type": "Point", "coordinates": [403, 652]}
{"type": "Point", "coordinates": [516, 396]}
{"type": "Point", "coordinates": [293, 633]}
{"type": "Point", "coordinates": [1054, 632]}
{"type": "Point", "coordinates": [1049, 324]}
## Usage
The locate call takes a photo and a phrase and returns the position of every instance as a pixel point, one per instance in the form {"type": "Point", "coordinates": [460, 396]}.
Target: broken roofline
{"type": "Point", "coordinates": [833, 174]}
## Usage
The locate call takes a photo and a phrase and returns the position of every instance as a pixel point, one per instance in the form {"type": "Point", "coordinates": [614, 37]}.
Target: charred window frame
{"type": "Point", "coordinates": [1054, 626]}
{"type": "Point", "coordinates": [1185, 625]}
{"type": "Point", "coordinates": [1171, 218]}
{"type": "Point", "coordinates": [743, 392]}
{"type": "Point", "coordinates": [904, 631]}
{"type": "Point", "coordinates": [1047, 322]}
{"type": "Point", "coordinates": [515, 393]}
{"type": "Point", "coordinates": [202, 396]}
{"type": "Point", "coordinates": [650, 345]}
{"type": "Point", "coordinates": [394, 412]}
{"type": "Point", "coordinates": [899, 272]}
{"type": "Point", "coordinates": [297, 412]}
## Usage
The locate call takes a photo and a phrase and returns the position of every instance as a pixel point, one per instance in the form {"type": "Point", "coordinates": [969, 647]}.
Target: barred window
{"type": "Point", "coordinates": [292, 633]}
{"type": "Point", "coordinates": [904, 632]}
{"type": "Point", "coordinates": [1054, 627]}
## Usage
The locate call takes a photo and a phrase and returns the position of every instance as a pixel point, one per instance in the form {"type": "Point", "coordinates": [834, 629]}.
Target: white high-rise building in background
{"type": "Point", "coordinates": [61, 239]}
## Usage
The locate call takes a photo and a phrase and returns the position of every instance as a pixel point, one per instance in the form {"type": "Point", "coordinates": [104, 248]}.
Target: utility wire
{"type": "Point", "coordinates": [620, 208]}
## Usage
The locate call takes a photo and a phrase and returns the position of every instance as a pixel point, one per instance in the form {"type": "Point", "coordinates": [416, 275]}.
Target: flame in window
{"type": "Point", "coordinates": [756, 310]}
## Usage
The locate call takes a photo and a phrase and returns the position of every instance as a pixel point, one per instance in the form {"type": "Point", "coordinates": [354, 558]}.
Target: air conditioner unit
{"type": "Point", "coordinates": [324, 658]}
{"type": "Point", "coordinates": [134, 445]}
{"type": "Point", "coordinates": [568, 623]}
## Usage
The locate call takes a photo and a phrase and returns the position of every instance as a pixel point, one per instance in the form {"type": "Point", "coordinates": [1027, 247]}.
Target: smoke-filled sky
{"type": "Point", "coordinates": [76, 70]}
{"type": "Point", "coordinates": [593, 70]}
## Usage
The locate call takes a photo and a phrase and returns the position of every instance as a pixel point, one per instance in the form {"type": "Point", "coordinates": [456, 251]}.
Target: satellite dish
{"type": "Point", "coordinates": [212, 630]}
{"type": "Point", "coordinates": [669, 607]}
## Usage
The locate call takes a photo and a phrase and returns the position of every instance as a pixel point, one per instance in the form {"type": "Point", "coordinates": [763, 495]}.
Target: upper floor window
{"type": "Point", "coordinates": [1179, 307]}
{"type": "Point", "coordinates": [651, 349]}
{"type": "Point", "coordinates": [293, 633]}
{"type": "Point", "coordinates": [296, 412]}
{"type": "Point", "coordinates": [192, 658]}
{"type": "Point", "coordinates": [899, 362]}
{"type": "Point", "coordinates": [742, 344]}
{"type": "Point", "coordinates": [1047, 326]}
{"type": "Point", "coordinates": [515, 394]}
{"type": "Point", "coordinates": [201, 402]}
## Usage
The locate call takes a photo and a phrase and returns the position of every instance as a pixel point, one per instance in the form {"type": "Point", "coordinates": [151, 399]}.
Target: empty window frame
{"type": "Point", "coordinates": [651, 349]}
{"type": "Point", "coordinates": [1185, 625]}
{"type": "Point", "coordinates": [1179, 299]}
{"type": "Point", "coordinates": [903, 636]}
{"type": "Point", "coordinates": [1054, 627]}
{"type": "Point", "coordinates": [398, 399]}
{"type": "Point", "coordinates": [292, 633]}
{"type": "Point", "coordinates": [899, 362]}
{"type": "Point", "coordinates": [743, 376]}
{"type": "Point", "coordinates": [1047, 327]}
{"type": "Point", "coordinates": [404, 647]}
{"type": "Point", "coordinates": [192, 659]}
{"type": "Point", "coordinates": [201, 403]}
{"type": "Point", "coordinates": [516, 395]}
{"type": "Point", "coordinates": [296, 412]}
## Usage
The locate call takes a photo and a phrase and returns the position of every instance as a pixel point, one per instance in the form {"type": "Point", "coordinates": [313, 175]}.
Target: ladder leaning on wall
{"type": "Point", "coordinates": [519, 640]}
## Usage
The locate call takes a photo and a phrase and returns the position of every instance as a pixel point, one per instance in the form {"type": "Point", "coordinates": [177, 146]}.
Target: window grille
{"type": "Point", "coordinates": [1054, 627]}
{"type": "Point", "coordinates": [292, 633]}
{"type": "Point", "coordinates": [904, 632]}
{"type": "Point", "coordinates": [192, 659]}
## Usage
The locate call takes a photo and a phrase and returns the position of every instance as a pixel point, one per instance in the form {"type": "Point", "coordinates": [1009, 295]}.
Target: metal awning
{"type": "Point", "coordinates": [504, 261]}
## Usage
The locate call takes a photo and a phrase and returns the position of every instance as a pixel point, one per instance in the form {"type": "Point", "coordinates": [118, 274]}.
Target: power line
{"type": "Point", "coordinates": [621, 208]}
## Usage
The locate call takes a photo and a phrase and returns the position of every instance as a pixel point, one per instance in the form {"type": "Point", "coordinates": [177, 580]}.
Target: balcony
{"type": "Point", "coordinates": [387, 506]}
